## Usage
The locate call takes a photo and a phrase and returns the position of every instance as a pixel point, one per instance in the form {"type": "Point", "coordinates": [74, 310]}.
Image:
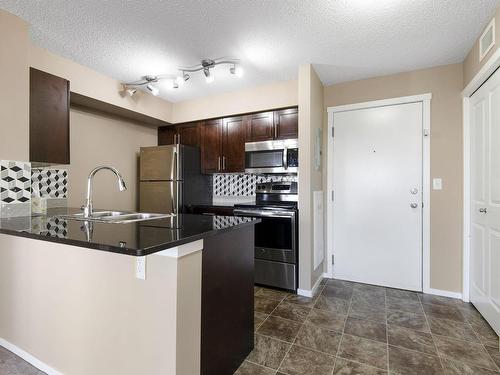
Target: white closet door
{"type": "Point", "coordinates": [485, 201]}
{"type": "Point", "coordinates": [377, 210]}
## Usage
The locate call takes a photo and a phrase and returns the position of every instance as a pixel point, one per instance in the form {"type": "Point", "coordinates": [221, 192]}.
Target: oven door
{"type": "Point", "coordinates": [275, 235]}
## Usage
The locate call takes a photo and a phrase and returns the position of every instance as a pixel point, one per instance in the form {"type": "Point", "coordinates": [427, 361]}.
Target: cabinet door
{"type": "Point", "coordinates": [260, 127]}
{"type": "Point", "coordinates": [49, 118]}
{"type": "Point", "coordinates": [166, 135]}
{"type": "Point", "coordinates": [233, 144]}
{"type": "Point", "coordinates": [211, 135]}
{"type": "Point", "coordinates": [189, 134]}
{"type": "Point", "coordinates": [287, 123]}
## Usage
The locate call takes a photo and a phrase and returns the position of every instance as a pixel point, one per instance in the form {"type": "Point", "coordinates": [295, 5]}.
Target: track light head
{"type": "Point", "coordinates": [208, 75]}
{"type": "Point", "coordinates": [130, 91]}
{"type": "Point", "coordinates": [236, 70]}
{"type": "Point", "coordinates": [153, 89]}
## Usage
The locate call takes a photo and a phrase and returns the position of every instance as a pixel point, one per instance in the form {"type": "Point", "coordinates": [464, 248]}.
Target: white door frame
{"type": "Point", "coordinates": [484, 73]}
{"type": "Point", "coordinates": [425, 99]}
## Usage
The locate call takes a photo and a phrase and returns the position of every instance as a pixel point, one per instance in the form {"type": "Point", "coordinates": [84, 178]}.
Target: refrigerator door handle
{"type": "Point", "coordinates": [172, 197]}
{"type": "Point", "coordinates": [177, 163]}
{"type": "Point", "coordinates": [172, 165]}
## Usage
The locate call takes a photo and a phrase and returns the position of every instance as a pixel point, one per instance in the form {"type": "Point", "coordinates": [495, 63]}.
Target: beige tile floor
{"type": "Point", "coordinates": [351, 328]}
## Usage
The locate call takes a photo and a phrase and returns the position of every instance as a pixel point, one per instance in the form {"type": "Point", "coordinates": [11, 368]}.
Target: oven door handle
{"type": "Point", "coordinates": [279, 215]}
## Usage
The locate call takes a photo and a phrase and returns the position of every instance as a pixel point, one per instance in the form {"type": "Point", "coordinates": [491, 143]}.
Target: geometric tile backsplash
{"type": "Point", "coordinates": [243, 184]}
{"type": "Point", "coordinates": [15, 182]}
{"type": "Point", "coordinates": [49, 183]}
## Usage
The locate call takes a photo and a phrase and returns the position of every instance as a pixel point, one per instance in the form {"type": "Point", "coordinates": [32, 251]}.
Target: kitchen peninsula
{"type": "Point", "coordinates": [163, 296]}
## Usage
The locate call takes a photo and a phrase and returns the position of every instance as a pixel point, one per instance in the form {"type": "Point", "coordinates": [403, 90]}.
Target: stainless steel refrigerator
{"type": "Point", "coordinates": [171, 179]}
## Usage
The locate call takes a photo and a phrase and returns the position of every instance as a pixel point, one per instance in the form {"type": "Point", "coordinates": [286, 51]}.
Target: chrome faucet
{"type": "Point", "coordinates": [88, 207]}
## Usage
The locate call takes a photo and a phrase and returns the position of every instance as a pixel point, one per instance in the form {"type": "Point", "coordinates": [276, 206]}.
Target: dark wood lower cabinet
{"type": "Point", "coordinates": [227, 302]}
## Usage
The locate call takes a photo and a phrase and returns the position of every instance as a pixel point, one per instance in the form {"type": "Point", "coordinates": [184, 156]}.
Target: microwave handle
{"type": "Point", "coordinates": [285, 158]}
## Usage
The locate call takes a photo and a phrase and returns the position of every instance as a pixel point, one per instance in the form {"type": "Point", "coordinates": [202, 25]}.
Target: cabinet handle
{"type": "Point", "coordinates": [218, 163]}
{"type": "Point", "coordinates": [224, 163]}
{"type": "Point", "coordinates": [276, 132]}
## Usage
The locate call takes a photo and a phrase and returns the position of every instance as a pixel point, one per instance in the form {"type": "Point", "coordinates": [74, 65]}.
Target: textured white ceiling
{"type": "Point", "coordinates": [344, 39]}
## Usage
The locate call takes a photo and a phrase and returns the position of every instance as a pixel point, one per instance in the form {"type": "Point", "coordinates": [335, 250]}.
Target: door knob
{"type": "Point", "coordinates": [483, 210]}
{"type": "Point", "coordinates": [413, 205]}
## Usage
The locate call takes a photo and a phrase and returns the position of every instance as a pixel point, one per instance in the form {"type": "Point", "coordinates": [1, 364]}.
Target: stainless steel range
{"type": "Point", "coordinates": [276, 237]}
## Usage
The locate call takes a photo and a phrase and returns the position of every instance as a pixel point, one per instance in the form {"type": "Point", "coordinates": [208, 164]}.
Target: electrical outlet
{"type": "Point", "coordinates": [140, 268]}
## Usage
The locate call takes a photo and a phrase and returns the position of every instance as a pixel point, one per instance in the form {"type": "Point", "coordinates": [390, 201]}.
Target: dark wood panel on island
{"type": "Point", "coordinates": [227, 303]}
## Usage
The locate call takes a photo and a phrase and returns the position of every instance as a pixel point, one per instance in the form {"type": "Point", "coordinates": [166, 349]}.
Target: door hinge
{"type": "Point", "coordinates": [333, 132]}
{"type": "Point", "coordinates": [333, 259]}
{"type": "Point", "coordinates": [333, 195]}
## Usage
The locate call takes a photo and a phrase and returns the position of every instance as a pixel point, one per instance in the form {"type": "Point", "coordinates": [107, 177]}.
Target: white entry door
{"type": "Point", "coordinates": [485, 201]}
{"type": "Point", "coordinates": [377, 208]}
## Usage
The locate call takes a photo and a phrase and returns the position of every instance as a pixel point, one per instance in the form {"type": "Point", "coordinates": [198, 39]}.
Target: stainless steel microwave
{"type": "Point", "coordinates": [281, 156]}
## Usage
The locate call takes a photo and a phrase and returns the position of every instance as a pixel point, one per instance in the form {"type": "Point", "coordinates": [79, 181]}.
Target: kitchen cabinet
{"type": "Point", "coordinates": [186, 134]}
{"type": "Point", "coordinates": [189, 134]}
{"type": "Point", "coordinates": [211, 145]}
{"type": "Point", "coordinates": [260, 126]}
{"type": "Point", "coordinates": [49, 118]}
{"type": "Point", "coordinates": [233, 144]}
{"type": "Point", "coordinates": [267, 126]}
{"type": "Point", "coordinates": [166, 135]}
{"type": "Point", "coordinates": [223, 145]}
{"type": "Point", "coordinates": [286, 122]}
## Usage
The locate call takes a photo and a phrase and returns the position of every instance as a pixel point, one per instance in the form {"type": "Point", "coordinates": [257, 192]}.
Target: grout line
{"type": "Point", "coordinates": [433, 340]}
{"type": "Point", "coordinates": [343, 330]}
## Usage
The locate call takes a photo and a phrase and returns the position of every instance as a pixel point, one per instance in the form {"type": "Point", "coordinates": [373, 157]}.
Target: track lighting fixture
{"type": "Point", "coordinates": [179, 80]}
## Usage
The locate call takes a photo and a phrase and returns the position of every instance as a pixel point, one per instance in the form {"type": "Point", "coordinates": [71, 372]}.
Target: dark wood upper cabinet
{"type": "Point", "coordinates": [260, 127]}
{"type": "Point", "coordinates": [233, 144]}
{"type": "Point", "coordinates": [166, 135]}
{"type": "Point", "coordinates": [49, 118]}
{"type": "Point", "coordinates": [211, 146]}
{"type": "Point", "coordinates": [186, 134]}
{"type": "Point", "coordinates": [189, 134]}
{"type": "Point", "coordinates": [286, 122]}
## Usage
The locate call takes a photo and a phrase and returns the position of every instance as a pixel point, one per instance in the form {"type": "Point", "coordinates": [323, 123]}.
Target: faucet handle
{"type": "Point", "coordinates": [82, 207]}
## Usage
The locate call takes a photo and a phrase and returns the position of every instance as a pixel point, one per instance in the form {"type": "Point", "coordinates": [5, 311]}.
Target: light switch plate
{"type": "Point", "coordinates": [437, 184]}
{"type": "Point", "coordinates": [140, 269]}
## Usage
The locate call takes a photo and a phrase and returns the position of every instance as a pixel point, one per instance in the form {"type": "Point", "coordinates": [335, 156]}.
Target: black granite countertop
{"type": "Point", "coordinates": [136, 239]}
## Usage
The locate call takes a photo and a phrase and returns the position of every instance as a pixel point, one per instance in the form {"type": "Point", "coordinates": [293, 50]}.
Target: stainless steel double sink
{"type": "Point", "coordinates": [116, 217]}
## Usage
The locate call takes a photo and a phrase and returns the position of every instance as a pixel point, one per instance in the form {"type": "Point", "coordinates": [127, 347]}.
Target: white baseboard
{"type": "Point", "coordinates": [29, 358]}
{"type": "Point", "coordinates": [310, 293]}
{"type": "Point", "coordinates": [443, 293]}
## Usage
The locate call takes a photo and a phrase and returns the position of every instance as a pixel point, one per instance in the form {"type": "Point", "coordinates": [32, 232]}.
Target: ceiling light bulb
{"type": "Point", "coordinates": [236, 70]}
{"type": "Point", "coordinates": [152, 89]}
{"type": "Point", "coordinates": [179, 81]}
{"type": "Point", "coordinates": [239, 71]}
{"type": "Point", "coordinates": [131, 91]}
{"type": "Point", "coordinates": [208, 76]}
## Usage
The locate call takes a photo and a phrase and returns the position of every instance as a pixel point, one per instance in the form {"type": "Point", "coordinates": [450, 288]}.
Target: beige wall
{"type": "Point", "coordinates": [445, 83]}
{"type": "Point", "coordinates": [14, 40]}
{"type": "Point", "coordinates": [472, 65]}
{"type": "Point", "coordinates": [311, 118]}
{"type": "Point", "coordinates": [98, 139]}
{"type": "Point", "coordinates": [83, 311]}
{"type": "Point", "coordinates": [276, 95]}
